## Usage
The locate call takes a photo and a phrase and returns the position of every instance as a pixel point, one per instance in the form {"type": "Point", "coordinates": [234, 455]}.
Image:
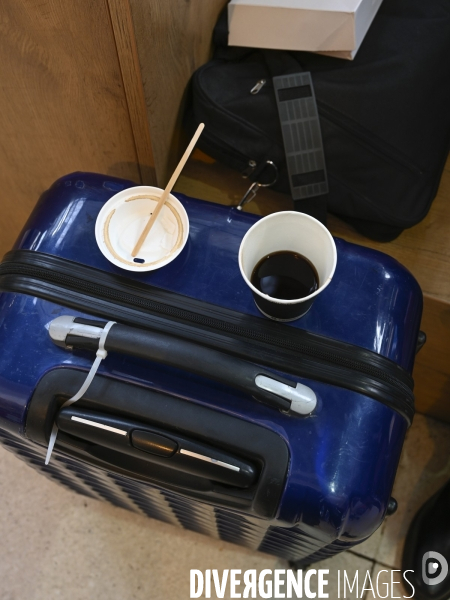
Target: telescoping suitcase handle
{"type": "Point", "coordinates": [276, 391]}
{"type": "Point", "coordinates": [139, 434]}
{"type": "Point", "coordinates": [156, 445]}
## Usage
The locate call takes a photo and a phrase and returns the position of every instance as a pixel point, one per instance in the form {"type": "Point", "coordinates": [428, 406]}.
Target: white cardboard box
{"type": "Point", "coordinates": [326, 26]}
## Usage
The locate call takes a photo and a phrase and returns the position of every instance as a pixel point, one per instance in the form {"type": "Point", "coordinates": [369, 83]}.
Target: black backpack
{"type": "Point", "coordinates": [384, 117]}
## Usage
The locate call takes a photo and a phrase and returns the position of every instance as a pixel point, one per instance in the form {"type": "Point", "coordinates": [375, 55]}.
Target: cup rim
{"type": "Point", "coordinates": [295, 300]}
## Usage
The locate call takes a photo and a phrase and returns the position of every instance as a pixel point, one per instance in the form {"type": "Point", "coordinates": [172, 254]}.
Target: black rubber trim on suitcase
{"type": "Point", "coordinates": [270, 344]}
{"type": "Point", "coordinates": [252, 442]}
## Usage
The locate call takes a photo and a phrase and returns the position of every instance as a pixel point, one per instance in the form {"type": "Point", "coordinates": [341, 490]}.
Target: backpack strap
{"type": "Point", "coordinates": [294, 92]}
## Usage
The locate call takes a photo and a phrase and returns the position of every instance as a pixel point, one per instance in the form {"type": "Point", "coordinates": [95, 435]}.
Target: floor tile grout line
{"type": "Point", "coordinates": [375, 560]}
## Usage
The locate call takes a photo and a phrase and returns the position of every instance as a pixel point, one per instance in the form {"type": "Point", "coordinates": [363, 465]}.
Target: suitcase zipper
{"type": "Point", "coordinates": [216, 142]}
{"type": "Point", "coordinates": [271, 344]}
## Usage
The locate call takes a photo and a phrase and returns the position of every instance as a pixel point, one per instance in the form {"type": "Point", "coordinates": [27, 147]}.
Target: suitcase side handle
{"type": "Point", "coordinates": [266, 387]}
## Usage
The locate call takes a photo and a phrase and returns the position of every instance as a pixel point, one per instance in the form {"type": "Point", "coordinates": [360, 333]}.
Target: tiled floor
{"type": "Point", "coordinates": [56, 545]}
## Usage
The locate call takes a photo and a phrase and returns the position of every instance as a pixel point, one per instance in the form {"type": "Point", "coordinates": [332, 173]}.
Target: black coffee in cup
{"type": "Point", "coordinates": [285, 275]}
{"type": "Point", "coordinates": [287, 259]}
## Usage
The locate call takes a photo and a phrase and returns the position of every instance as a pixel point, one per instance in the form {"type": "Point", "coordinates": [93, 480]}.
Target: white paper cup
{"type": "Point", "coordinates": [122, 220]}
{"type": "Point", "coordinates": [288, 231]}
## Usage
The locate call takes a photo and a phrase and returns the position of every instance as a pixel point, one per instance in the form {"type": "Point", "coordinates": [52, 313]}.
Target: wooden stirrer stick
{"type": "Point", "coordinates": [166, 192]}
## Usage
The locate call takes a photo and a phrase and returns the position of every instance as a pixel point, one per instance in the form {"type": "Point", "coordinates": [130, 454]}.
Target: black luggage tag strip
{"type": "Point", "coordinates": [302, 137]}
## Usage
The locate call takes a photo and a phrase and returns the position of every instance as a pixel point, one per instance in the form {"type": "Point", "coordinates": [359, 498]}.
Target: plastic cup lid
{"type": "Point", "coordinates": [122, 220]}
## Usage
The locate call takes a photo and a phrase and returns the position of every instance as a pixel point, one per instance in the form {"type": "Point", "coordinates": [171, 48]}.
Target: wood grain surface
{"type": "Point", "coordinates": [173, 39]}
{"type": "Point", "coordinates": [432, 367]}
{"type": "Point", "coordinates": [123, 29]}
{"type": "Point", "coordinates": [423, 249]}
{"type": "Point", "coordinates": [63, 105]}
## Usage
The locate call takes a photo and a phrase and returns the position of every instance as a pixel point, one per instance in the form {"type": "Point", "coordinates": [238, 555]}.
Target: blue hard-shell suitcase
{"type": "Point", "coordinates": [173, 425]}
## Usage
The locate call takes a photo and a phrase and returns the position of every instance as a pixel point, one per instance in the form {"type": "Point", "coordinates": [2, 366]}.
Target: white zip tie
{"type": "Point", "coordinates": [100, 355]}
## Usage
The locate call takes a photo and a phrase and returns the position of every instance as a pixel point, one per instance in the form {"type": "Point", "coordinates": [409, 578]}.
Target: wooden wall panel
{"type": "Point", "coordinates": [122, 24]}
{"type": "Point", "coordinates": [173, 39]}
{"type": "Point", "coordinates": [62, 101]}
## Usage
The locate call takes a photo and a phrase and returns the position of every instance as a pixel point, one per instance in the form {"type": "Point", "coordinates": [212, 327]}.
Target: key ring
{"type": "Point", "coordinates": [253, 189]}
